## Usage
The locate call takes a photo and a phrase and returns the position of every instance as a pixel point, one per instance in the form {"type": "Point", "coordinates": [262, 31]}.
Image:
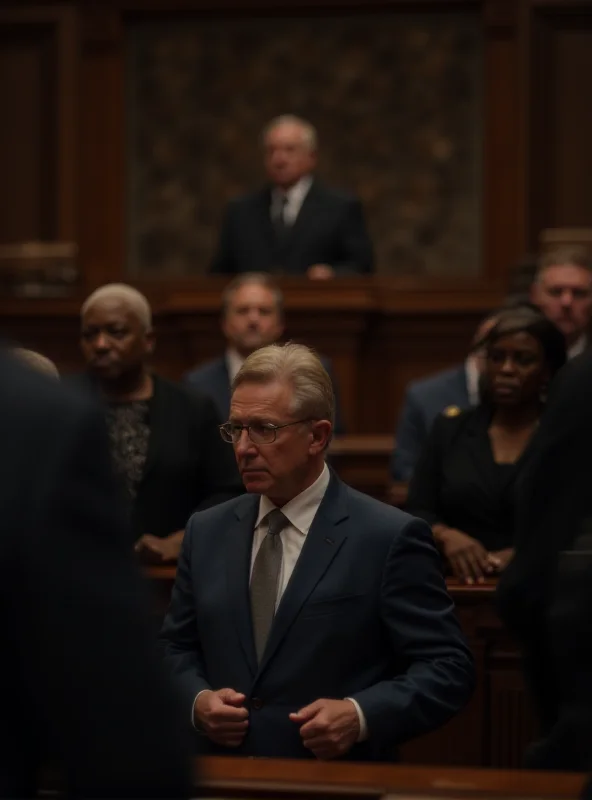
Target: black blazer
{"type": "Point", "coordinates": [188, 466]}
{"type": "Point", "coordinates": [82, 678]}
{"type": "Point", "coordinates": [458, 483]}
{"type": "Point", "coordinates": [213, 380]}
{"type": "Point", "coordinates": [329, 229]}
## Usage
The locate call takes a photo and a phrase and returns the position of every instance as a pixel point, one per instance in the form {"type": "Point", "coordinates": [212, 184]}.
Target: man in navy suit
{"type": "Point", "coordinates": [456, 388]}
{"type": "Point", "coordinates": [307, 619]}
{"type": "Point", "coordinates": [295, 225]}
{"type": "Point", "coordinates": [252, 317]}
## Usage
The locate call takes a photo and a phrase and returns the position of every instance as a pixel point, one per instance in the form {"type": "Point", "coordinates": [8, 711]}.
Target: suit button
{"type": "Point", "coordinates": [256, 703]}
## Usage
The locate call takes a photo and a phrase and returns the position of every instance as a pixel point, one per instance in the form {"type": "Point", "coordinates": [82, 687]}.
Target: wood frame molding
{"type": "Point", "coordinates": [62, 20]}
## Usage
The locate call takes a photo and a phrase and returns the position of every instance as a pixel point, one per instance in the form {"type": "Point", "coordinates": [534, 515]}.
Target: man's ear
{"type": "Point", "coordinates": [321, 433]}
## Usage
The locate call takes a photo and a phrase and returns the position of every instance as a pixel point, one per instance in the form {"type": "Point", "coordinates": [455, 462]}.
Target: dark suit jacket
{"type": "Point", "coordinates": [424, 400]}
{"type": "Point", "coordinates": [329, 229]}
{"type": "Point", "coordinates": [365, 615]}
{"type": "Point", "coordinates": [212, 379]}
{"type": "Point", "coordinates": [188, 465]}
{"type": "Point", "coordinates": [555, 503]}
{"type": "Point", "coordinates": [458, 483]}
{"type": "Point", "coordinates": [83, 684]}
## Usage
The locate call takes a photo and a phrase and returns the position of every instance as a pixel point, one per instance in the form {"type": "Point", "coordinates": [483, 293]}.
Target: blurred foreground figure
{"type": "Point", "coordinates": [82, 683]}
{"type": "Point", "coordinates": [545, 595]}
{"type": "Point", "coordinates": [36, 361]}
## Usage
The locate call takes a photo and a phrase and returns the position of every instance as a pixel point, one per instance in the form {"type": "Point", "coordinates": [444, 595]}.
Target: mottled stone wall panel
{"type": "Point", "coordinates": [396, 99]}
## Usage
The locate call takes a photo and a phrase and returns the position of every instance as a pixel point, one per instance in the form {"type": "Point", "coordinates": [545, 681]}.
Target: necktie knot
{"type": "Point", "coordinates": [276, 522]}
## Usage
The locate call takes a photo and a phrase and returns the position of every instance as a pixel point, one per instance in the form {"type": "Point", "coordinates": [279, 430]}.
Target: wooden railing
{"type": "Point", "coordinates": [266, 778]}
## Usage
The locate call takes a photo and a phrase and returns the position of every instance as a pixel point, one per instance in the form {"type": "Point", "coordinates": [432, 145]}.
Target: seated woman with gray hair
{"type": "Point", "coordinates": [164, 439]}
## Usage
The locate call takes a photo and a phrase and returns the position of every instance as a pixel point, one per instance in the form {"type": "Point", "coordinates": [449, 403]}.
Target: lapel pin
{"type": "Point", "coordinates": [329, 541]}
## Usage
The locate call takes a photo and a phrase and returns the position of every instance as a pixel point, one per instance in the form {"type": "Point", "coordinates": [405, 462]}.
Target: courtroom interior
{"type": "Point", "coordinates": [295, 311]}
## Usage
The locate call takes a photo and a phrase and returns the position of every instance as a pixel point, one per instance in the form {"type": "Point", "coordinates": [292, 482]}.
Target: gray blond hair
{"type": "Point", "coordinates": [298, 365]}
{"type": "Point", "coordinates": [132, 298]}
{"type": "Point", "coordinates": [310, 135]}
{"type": "Point", "coordinates": [572, 255]}
{"type": "Point", "coordinates": [263, 279]}
{"type": "Point", "coordinates": [36, 361]}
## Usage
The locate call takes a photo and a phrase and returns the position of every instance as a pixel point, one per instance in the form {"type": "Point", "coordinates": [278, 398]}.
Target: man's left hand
{"type": "Point", "coordinates": [320, 272]}
{"type": "Point", "coordinates": [329, 728]}
{"type": "Point", "coordinates": [160, 550]}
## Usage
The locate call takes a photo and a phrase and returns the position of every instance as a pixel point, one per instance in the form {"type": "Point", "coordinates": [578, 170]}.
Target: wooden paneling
{"type": "Point", "coordinates": [559, 50]}
{"type": "Point", "coordinates": [38, 131]}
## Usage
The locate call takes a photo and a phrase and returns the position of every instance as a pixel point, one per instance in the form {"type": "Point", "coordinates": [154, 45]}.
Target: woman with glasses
{"type": "Point", "coordinates": [464, 483]}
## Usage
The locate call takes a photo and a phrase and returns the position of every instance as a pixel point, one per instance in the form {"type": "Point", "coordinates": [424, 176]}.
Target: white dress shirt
{"type": "Point", "coordinates": [300, 512]}
{"type": "Point", "coordinates": [234, 362]}
{"type": "Point", "coordinates": [295, 197]}
{"type": "Point", "coordinates": [578, 347]}
{"type": "Point", "coordinates": [472, 373]}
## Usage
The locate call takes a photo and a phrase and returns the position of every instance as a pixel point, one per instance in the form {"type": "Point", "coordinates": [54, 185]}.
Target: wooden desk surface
{"type": "Point", "coordinates": [280, 778]}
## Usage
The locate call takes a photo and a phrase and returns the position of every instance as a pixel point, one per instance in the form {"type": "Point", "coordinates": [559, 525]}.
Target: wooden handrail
{"type": "Point", "coordinates": [295, 777]}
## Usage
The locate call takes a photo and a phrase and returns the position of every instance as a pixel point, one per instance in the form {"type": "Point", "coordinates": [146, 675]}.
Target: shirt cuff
{"type": "Point", "coordinates": [363, 734]}
{"type": "Point", "coordinates": [193, 720]}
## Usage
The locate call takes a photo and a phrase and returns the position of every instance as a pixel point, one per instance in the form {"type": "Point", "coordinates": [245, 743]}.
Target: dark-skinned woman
{"type": "Point", "coordinates": [165, 442]}
{"type": "Point", "coordinates": [465, 480]}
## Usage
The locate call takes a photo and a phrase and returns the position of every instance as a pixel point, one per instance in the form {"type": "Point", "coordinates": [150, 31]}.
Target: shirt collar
{"type": "Point", "coordinates": [296, 193]}
{"type": "Point", "coordinates": [578, 347]}
{"type": "Point", "coordinates": [301, 510]}
{"type": "Point", "coordinates": [234, 362]}
{"type": "Point", "coordinates": [472, 373]}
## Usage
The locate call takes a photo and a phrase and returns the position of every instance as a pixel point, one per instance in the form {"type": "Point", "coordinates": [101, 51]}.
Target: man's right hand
{"type": "Point", "coordinates": [467, 557]}
{"type": "Point", "coordinates": [222, 716]}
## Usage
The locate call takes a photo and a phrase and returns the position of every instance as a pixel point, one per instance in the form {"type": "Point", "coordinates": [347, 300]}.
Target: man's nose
{"type": "Point", "coordinates": [101, 342]}
{"type": "Point", "coordinates": [244, 445]}
{"type": "Point", "coordinates": [509, 365]}
{"type": "Point", "coordinates": [567, 299]}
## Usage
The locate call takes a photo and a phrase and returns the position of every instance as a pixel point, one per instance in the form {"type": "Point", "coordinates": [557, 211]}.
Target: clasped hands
{"type": "Point", "coordinates": [469, 560]}
{"type": "Point", "coordinates": [328, 728]}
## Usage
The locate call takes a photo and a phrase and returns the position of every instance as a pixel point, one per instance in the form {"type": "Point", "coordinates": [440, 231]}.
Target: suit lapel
{"type": "Point", "coordinates": [263, 214]}
{"type": "Point", "coordinates": [462, 386]}
{"type": "Point", "coordinates": [238, 568]}
{"type": "Point", "coordinates": [306, 216]}
{"type": "Point", "coordinates": [326, 536]}
{"type": "Point", "coordinates": [479, 448]}
{"type": "Point", "coordinates": [223, 389]}
{"type": "Point", "coordinates": [158, 413]}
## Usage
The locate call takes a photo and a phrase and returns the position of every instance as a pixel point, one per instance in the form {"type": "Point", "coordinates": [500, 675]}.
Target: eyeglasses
{"type": "Point", "coordinates": [259, 433]}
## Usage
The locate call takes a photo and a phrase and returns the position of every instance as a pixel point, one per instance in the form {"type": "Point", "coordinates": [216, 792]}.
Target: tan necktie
{"type": "Point", "coordinates": [265, 580]}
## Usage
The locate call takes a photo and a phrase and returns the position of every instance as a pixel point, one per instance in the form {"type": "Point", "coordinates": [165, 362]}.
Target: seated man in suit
{"type": "Point", "coordinates": [295, 225]}
{"type": "Point", "coordinates": [425, 399]}
{"type": "Point", "coordinates": [252, 317]}
{"type": "Point", "coordinates": [164, 439]}
{"type": "Point", "coordinates": [307, 619]}
{"type": "Point", "coordinates": [562, 289]}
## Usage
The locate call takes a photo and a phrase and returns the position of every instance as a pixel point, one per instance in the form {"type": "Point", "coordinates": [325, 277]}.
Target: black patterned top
{"type": "Point", "coordinates": [129, 434]}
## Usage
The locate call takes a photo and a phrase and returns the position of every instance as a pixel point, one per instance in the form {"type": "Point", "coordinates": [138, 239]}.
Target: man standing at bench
{"type": "Point", "coordinates": [307, 619]}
